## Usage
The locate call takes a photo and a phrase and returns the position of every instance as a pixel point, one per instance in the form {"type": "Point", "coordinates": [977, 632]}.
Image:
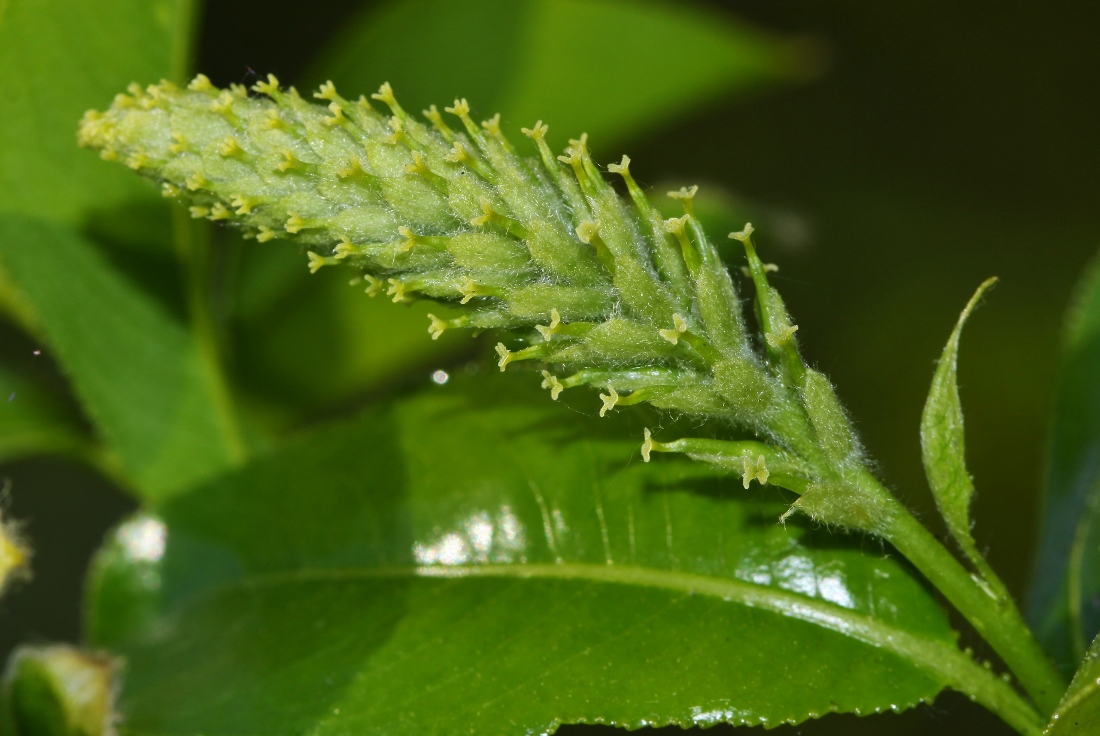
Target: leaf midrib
{"type": "Point", "coordinates": [936, 658]}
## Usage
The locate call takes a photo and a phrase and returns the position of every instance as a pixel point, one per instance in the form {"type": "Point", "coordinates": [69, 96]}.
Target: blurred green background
{"type": "Point", "coordinates": [910, 150]}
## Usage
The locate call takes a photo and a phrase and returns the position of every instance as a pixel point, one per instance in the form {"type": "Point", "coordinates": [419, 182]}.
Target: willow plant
{"type": "Point", "coordinates": [596, 287]}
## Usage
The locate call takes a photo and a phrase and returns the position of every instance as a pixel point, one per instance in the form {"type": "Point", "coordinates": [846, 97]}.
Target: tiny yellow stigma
{"type": "Point", "coordinates": [345, 248]}
{"type": "Point", "coordinates": [679, 328]}
{"type": "Point", "coordinates": [410, 240]}
{"type": "Point", "coordinates": [547, 331]}
{"type": "Point", "coordinates": [374, 286]}
{"type": "Point", "coordinates": [675, 225]}
{"type": "Point", "coordinates": [196, 181]}
{"type": "Point", "coordinates": [536, 133]}
{"type": "Point", "coordinates": [686, 196]}
{"type": "Point", "coordinates": [327, 91]}
{"type": "Point", "coordinates": [458, 153]}
{"type": "Point", "coordinates": [754, 470]}
{"type": "Point", "coordinates": [230, 146]}
{"type": "Point", "coordinates": [289, 161]}
{"type": "Point", "coordinates": [483, 220]}
{"type": "Point", "coordinates": [317, 261]}
{"type": "Point", "coordinates": [506, 356]}
{"type": "Point", "coordinates": [238, 90]}
{"type": "Point", "coordinates": [170, 190]}
{"type": "Point", "coordinates": [294, 223]}
{"type": "Point", "coordinates": [201, 83]}
{"type": "Point", "coordinates": [460, 109]}
{"type": "Point", "coordinates": [550, 381]}
{"type": "Point", "coordinates": [223, 103]}
{"type": "Point", "coordinates": [337, 114]}
{"type": "Point", "coordinates": [492, 126]}
{"type": "Point", "coordinates": [620, 168]}
{"type": "Point", "coordinates": [469, 291]}
{"type": "Point", "coordinates": [436, 328]}
{"type": "Point", "coordinates": [265, 234]}
{"type": "Point", "coordinates": [744, 234]}
{"type": "Point", "coordinates": [786, 334]}
{"type": "Point", "coordinates": [385, 94]}
{"type": "Point", "coordinates": [397, 290]}
{"type": "Point", "coordinates": [269, 87]}
{"type": "Point", "coordinates": [198, 212]}
{"type": "Point", "coordinates": [609, 400]}
{"type": "Point", "coordinates": [180, 144]}
{"type": "Point", "coordinates": [243, 204]}
{"type": "Point", "coordinates": [219, 212]}
{"type": "Point", "coordinates": [586, 231]}
{"type": "Point", "coordinates": [647, 445]}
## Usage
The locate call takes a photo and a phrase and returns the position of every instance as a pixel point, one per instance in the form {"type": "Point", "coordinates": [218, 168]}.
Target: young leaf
{"type": "Point", "coordinates": [136, 370]}
{"type": "Point", "coordinates": [943, 441]}
{"type": "Point", "coordinates": [1079, 711]}
{"type": "Point", "coordinates": [474, 553]}
{"type": "Point", "coordinates": [1065, 607]}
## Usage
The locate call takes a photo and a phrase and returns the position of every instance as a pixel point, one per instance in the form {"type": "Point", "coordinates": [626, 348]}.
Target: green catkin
{"type": "Point", "coordinates": [595, 286]}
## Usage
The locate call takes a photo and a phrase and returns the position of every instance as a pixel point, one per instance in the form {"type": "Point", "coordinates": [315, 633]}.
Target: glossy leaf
{"type": "Point", "coordinates": [1065, 607]}
{"type": "Point", "coordinates": [943, 440]}
{"type": "Point", "coordinates": [480, 553]}
{"type": "Point", "coordinates": [1079, 711]}
{"type": "Point", "coordinates": [136, 370]}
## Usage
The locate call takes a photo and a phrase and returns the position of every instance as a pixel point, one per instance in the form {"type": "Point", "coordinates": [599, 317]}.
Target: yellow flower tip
{"type": "Point", "coordinates": [547, 331]}
{"type": "Point", "coordinates": [238, 90]}
{"type": "Point", "coordinates": [269, 87]}
{"type": "Point", "coordinates": [580, 145]}
{"type": "Point", "coordinates": [754, 470]}
{"type": "Point", "coordinates": [396, 290]}
{"type": "Point", "coordinates": [550, 381]}
{"type": "Point", "coordinates": [436, 328]}
{"type": "Point", "coordinates": [679, 328]}
{"type": "Point", "coordinates": [647, 445]}
{"type": "Point", "coordinates": [219, 212]}
{"type": "Point", "coordinates": [492, 126]}
{"type": "Point", "coordinates": [675, 225]}
{"type": "Point", "coordinates": [265, 234]}
{"type": "Point", "coordinates": [273, 120]}
{"type": "Point", "coordinates": [243, 204]}
{"type": "Point", "coordinates": [505, 356]}
{"type": "Point", "coordinates": [410, 239]}
{"type": "Point", "coordinates": [461, 109]}
{"type": "Point", "coordinates": [620, 168]}
{"type": "Point", "coordinates": [374, 286]}
{"type": "Point", "coordinates": [223, 103]}
{"type": "Point", "coordinates": [198, 212]}
{"type": "Point", "coordinates": [458, 153]}
{"type": "Point", "coordinates": [571, 156]}
{"type": "Point", "coordinates": [180, 144]}
{"type": "Point", "coordinates": [196, 181]}
{"type": "Point", "coordinates": [385, 94]}
{"type": "Point", "coordinates": [327, 91]}
{"type": "Point", "coordinates": [138, 160]}
{"type": "Point", "coordinates": [294, 223]}
{"type": "Point", "coordinates": [14, 553]}
{"type": "Point", "coordinates": [169, 190]}
{"type": "Point", "coordinates": [609, 400]}
{"type": "Point", "coordinates": [337, 114]}
{"type": "Point", "coordinates": [536, 133]}
{"type": "Point", "coordinates": [201, 83]}
{"type": "Point", "coordinates": [108, 154]}
{"type": "Point", "coordinates": [135, 89]}
{"type": "Point", "coordinates": [469, 291]}
{"type": "Point", "coordinates": [344, 249]}
{"type": "Point", "coordinates": [586, 231]}
{"type": "Point", "coordinates": [784, 336]}
{"type": "Point", "coordinates": [483, 220]}
{"type": "Point", "coordinates": [317, 261]}
{"type": "Point", "coordinates": [289, 161]}
{"type": "Point", "coordinates": [744, 234]}
{"type": "Point", "coordinates": [685, 193]}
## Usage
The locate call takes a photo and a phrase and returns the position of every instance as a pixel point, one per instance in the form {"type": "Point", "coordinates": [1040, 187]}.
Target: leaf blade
{"type": "Point", "coordinates": [438, 578]}
{"type": "Point", "coordinates": [943, 441]}
{"type": "Point", "coordinates": [1079, 711]}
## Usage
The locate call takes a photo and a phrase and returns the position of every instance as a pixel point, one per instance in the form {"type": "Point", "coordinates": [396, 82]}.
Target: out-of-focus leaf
{"type": "Point", "coordinates": [1065, 601]}
{"type": "Point", "coordinates": [33, 420]}
{"type": "Point", "coordinates": [1079, 711]}
{"type": "Point", "coordinates": [943, 440]}
{"type": "Point", "coordinates": [611, 68]}
{"type": "Point", "coordinates": [137, 371]}
{"type": "Point", "coordinates": [472, 558]}
{"type": "Point", "coordinates": [58, 59]}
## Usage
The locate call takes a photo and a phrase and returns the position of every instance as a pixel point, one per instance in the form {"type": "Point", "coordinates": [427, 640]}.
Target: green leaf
{"type": "Point", "coordinates": [1079, 711]}
{"type": "Point", "coordinates": [1065, 601]}
{"type": "Point", "coordinates": [943, 441]}
{"type": "Point", "coordinates": [475, 558]}
{"type": "Point", "coordinates": [34, 420]}
{"type": "Point", "coordinates": [613, 69]}
{"type": "Point", "coordinates": [137, 371]}
{"type": "Point", "coordinates": [57, 60]}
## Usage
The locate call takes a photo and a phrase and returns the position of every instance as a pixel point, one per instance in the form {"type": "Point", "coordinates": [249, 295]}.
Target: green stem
{"type": "Point", "coordinates": [193, 250]}
{"type": "Point", "coordinates": [995, 618]}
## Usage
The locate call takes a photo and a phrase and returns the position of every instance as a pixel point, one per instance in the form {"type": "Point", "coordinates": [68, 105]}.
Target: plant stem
{"type": "Point", "coordinates": [996, 618]}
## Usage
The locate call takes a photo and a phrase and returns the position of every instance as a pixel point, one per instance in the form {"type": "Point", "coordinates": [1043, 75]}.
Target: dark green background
{"type": "Point", "coordinates": [943, 142]}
